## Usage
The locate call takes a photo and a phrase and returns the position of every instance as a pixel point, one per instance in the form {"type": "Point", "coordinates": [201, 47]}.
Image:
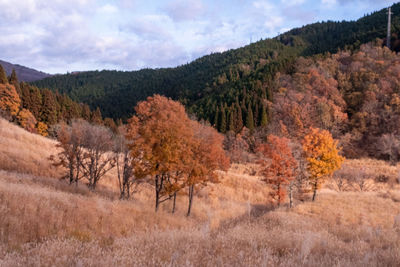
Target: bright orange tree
{"type": "Point", "coordinates": [10, 102]}
{"type": "Point", "coordinates": [322, 155]}
{"type": "Point", "coordinates": [278, 165]}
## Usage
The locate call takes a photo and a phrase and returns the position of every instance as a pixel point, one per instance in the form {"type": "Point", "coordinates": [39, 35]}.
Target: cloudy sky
{"type": "Point", "coordinates": [75, 35]}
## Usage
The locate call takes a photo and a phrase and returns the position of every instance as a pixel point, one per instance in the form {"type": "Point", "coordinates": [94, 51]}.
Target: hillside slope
{"type": "Point", "coordinates": [24, 74]}
{"type": "Point", "coordinates": [46, 222]}
{"type": "Point", "coordinates": [221, 78]}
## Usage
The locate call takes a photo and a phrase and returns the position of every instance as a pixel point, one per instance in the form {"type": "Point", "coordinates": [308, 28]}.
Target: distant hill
{"type": "Point", "coordinates": [24, 74]}
{"type": "Point", "coordinates": [223, 81]}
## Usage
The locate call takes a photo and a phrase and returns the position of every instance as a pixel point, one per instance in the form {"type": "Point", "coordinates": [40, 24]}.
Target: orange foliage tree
{"type": "Point", "coordinates": [160, 139]}
{"type": "Point", "coordinates": [278, 166]}
{"type": "Point", "coordinates": [208, 156]}
{"type": "Point", "coordinates": [322, 155]}
{"type": "Point", "coordinates": [26, 119]}
{"type": "Point", "coordinates": [10, 102]}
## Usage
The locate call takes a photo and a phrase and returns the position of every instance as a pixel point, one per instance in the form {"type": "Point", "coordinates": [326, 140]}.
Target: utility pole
{"type": "Point", "coordinates": [389, 35]}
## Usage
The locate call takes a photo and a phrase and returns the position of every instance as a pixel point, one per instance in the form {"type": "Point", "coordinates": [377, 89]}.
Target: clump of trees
{"type": "Point", "coordinates": [160, 145]}
{"type": "Point", "coordinates": [289, 166]}
{"type": "Point", "coordinates": [37, 110]}
{"type": "Point", "coordinates": [85, 151]}
{"type": "Point", "coordinates": [171, 151]}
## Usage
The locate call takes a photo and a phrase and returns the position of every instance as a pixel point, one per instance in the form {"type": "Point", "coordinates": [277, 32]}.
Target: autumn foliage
{"type": "Point", "coordinates": [278, 166]}
{"type": "Point", "coordinates": [322, 155]}
{"type": "Point", "coordinates": [171, 150]}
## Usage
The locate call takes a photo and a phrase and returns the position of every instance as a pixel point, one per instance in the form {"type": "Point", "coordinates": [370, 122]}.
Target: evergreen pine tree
{"type": "Point", "coordinates": [264, 118]}
{"type": "Point", "coordinates": [48, 112]}
{"type": "Point", "coordinates": [13, 77]}
{"type": "Point", "coordinates": [3, 75]}
{"type": "Point", "coordinates": [86, 114]}
{"type": "Point", "coordinates": [14, 81]}
{"type": "Point", "coordinates": [256, 114]}
{"type": "Point", "coordinates": [222, 124]}
{"type": "Point", "coordinates": [250, 118]}
{"type": "Point", "coordinates": [216, 118]}
{"type": "Point", "coordinates": [96, 117]}
{"type": "Point", "coordinates": [239, 119]}
{"type": "Point", "coordinates": [231, 124]}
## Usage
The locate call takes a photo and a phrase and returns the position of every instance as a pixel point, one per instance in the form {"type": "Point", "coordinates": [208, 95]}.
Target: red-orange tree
{"type": "Point", "coordinates": [160, 139]}
{"type": "Point", "coordinates": [278, 165]}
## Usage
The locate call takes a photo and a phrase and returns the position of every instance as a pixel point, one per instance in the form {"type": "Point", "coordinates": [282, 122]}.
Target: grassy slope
{"type": "Point", "coordinates": [46, 222]}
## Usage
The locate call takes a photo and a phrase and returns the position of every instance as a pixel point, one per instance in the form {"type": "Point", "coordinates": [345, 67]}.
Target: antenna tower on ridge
{"type": "Point", "coordinates": [389, 35]}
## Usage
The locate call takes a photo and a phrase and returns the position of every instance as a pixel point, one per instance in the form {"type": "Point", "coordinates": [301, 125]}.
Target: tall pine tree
{"type": "Point", "coordinates": [48, 112]}
{"type": "Point", "coordinates": [222, 123]}
{"type": "Point", "coordinates": [239, 119]}
{"type": "Point", "coordinates": [264, 118]}
{"type": "Point", "coordinates": [3, 75]}
{"type": "Point", "coordinates": [250, 118]}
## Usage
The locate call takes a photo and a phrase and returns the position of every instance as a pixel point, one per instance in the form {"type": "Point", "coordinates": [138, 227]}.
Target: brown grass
{"type": "Point", "coordinates": [45, 222]}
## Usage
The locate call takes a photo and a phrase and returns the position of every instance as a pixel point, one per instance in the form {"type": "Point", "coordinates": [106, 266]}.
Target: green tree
{"type": "Point", "coordinates": [250, 118]}
{"type": "Point", "coordinates": [3, 76]}
{"type": "Point", "coordinates": [264, 118]}
{"type": "Point", "coordinates": [48, 112]}
{"type": "Point", "coordinates": [222, 123]}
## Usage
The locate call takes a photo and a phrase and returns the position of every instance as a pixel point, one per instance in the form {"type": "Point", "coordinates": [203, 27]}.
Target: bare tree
{"type": "Point", "coordinates": [98, 157]}
{"type": "Point", "coordinates": [388, 146]}
{"type": "Point", "coordinates": [359, 178]}
{"type": "Point", "coordinates": [70, 140]}
{"type": "Point", "coordinates": [340, 177]}
{"type": "Point", "coordinates": [126, 179]}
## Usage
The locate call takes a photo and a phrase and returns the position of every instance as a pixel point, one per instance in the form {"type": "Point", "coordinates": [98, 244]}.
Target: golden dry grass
{"type": "Point", "coordinates": [46, 222]}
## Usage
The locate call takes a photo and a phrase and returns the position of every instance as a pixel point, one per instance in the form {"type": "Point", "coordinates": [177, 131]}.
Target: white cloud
{"type": "Point", "coordinates": [293, 2]}
{"type": "Point", "coordinates": [184, 10]}
{"type": "Point", "coordinates": [329, 3]}
{"type": "Point", "coordinates": [108, 9]}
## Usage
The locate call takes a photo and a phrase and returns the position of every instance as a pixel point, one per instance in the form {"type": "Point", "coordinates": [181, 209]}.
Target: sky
{"type": "Point", "coordinates": [60, 36]}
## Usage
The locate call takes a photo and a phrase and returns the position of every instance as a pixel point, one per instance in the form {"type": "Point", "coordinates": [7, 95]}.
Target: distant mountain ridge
{"type": "Point", "coordinates": [24, 74]}
{"type": "Point", "coordinates": [215, 84]}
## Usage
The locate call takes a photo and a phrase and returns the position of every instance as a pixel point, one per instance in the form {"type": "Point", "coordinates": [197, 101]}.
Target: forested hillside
{"type": "Point", "coordinates": [221, 81]}
{"type": "Point", "coordinates": [36, 110]}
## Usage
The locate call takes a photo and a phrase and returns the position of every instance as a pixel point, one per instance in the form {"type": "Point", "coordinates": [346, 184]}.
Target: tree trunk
{"type": "Point", "coordinates": [173, 206]}
{"type": "Point", "coordinates": [279, 195]}
{"type": "Point", "coordinates": [315, 192]}
{"type": "Point", "coordinates": [290, 195]}
{"type": "Point", "coordinates": [71, 172]}
{"type": "Point", "coordinates": [191, 192]}
{"type": "Point", "coordinates": [159, 184]}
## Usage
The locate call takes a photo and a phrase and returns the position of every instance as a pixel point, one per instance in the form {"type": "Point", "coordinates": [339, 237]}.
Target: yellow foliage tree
{"type": "Point", "coordinates": [41, 128]}
{"type": "Point", "coordinates": [322, 155]}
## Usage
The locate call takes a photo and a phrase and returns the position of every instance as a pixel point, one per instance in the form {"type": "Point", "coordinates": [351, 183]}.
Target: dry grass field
{"type": "Point", "coordinates": [46, 222]}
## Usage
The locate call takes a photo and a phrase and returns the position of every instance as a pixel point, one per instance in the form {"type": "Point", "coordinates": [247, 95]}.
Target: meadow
{"type": "Point", "coordinates": [47, 222]}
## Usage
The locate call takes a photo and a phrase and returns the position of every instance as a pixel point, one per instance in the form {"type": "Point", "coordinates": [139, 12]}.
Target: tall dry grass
{"type": "Point", "coordinates": [25, 152]}
{"type": "Point", "coordinates": [46, 222]}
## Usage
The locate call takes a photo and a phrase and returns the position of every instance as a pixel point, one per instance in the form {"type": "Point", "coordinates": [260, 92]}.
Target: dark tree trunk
{"type": "Point", "coordinates": [315, 192]}
{"type": "Point", "coordinates": [174, 203]}
{"type": "Point", "coordinates": [279, 195]}
{"type": "Point", "coordinates": [191, 193]}
{"type": "Point", "coordinates": [290, 195]}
